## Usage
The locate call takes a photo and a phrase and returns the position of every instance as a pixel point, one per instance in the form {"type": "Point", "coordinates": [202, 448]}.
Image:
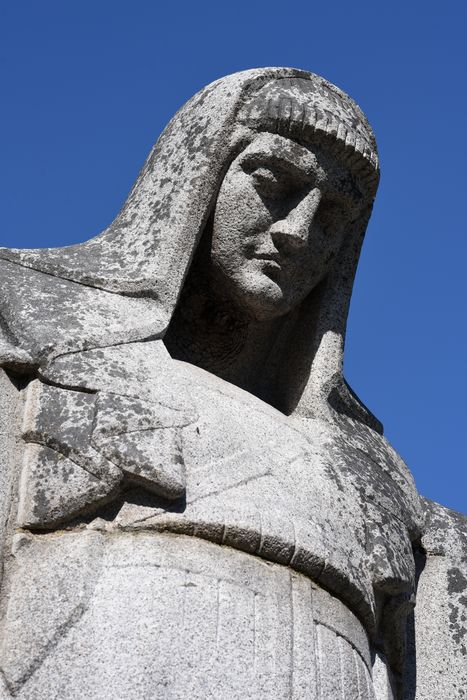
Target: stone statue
{"type": "Point", "coordinates": [194, 503]}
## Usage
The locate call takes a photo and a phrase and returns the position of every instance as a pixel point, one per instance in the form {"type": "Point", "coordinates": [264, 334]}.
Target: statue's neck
{"type": "Point", "coordinates": [209, 330]}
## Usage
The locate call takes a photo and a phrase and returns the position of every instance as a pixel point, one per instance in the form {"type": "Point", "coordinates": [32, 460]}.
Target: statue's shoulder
{"type": "Point", "coordinates": [445, 532]}
{"type": "Point", "coordinates": [441, 609]}
{"type": "Point", "coordinates": [44, 314]}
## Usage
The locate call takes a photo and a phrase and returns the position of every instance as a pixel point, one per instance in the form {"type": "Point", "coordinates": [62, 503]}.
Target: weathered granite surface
{"type": "Point", "coordinates": [437, 664]}
{"type": "Point", "coordinates": [193, 501]}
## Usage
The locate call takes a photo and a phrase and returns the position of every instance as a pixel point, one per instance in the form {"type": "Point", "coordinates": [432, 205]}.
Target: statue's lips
{"type": "Point", "coordinates": [271, 261]}
{"type": "Point", "coordinates": [269, 265]}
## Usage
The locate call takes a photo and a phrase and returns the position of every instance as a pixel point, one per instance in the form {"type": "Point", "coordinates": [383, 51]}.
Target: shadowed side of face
{"type": "Point", "coordinates": [280, 217]}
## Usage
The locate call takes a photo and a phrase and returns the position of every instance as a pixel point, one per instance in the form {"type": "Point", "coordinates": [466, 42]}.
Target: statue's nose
{"type": "Point", "coordinates": [294, 229]}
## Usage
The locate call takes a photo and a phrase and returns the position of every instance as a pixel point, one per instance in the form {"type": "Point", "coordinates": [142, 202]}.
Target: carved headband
{"type": "Point", "coordinates": [310, 110]}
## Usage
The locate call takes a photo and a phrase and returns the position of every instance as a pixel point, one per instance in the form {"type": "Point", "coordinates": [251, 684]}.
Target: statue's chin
{"type": "Point", "coordinates": [261, 297]}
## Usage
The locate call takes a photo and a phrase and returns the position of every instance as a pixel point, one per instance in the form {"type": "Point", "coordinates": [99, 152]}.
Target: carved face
{"type": "Point", "coordinates": [280, 217]}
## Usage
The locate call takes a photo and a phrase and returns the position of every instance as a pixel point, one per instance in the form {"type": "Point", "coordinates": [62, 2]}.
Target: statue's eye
{"type": "Point", "coordinates": [332, 215]}
{"type": "Point", "coordinates": [270, 183]}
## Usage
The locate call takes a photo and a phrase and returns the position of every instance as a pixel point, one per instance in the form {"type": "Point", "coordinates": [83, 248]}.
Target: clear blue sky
{"type": "Point", "coordinates": [87, 87]}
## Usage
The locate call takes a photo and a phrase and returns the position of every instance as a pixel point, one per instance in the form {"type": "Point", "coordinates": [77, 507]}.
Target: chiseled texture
{"type": "Point", "coordinates": [283, 491]}
{"type": "Point", "coordinates": [165, 616]}
{"type": "Point", "coordinates": [441, 610]}
{"type": "Point", "coordinates": [193, 501]}
{"type": "Point", "coordinates": [10, 451]}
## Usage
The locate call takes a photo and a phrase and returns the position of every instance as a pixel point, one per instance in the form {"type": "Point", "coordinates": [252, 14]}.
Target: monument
{"type": "Point", "coordinates": [194, 503]}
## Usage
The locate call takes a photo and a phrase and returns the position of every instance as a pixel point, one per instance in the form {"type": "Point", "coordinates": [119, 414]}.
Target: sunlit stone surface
{"type": "Point", "coordinates": [193, 502]}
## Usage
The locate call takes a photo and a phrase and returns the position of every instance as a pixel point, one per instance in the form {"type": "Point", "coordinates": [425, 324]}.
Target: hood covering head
{"type": "Point", "coordinates": [123, 285]}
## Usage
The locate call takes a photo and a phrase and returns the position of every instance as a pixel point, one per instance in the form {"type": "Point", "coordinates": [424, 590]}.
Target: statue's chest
{"type": "Point", "coordinates": [319, 497]}
{"type": "Point", "coordinates": [241, 451]}
{"type": "Point", "coordinates": [220, 464]}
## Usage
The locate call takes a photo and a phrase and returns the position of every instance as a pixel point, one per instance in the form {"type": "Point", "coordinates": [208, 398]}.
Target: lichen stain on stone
{"type": "Point", "coordinates": [457, 581]}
